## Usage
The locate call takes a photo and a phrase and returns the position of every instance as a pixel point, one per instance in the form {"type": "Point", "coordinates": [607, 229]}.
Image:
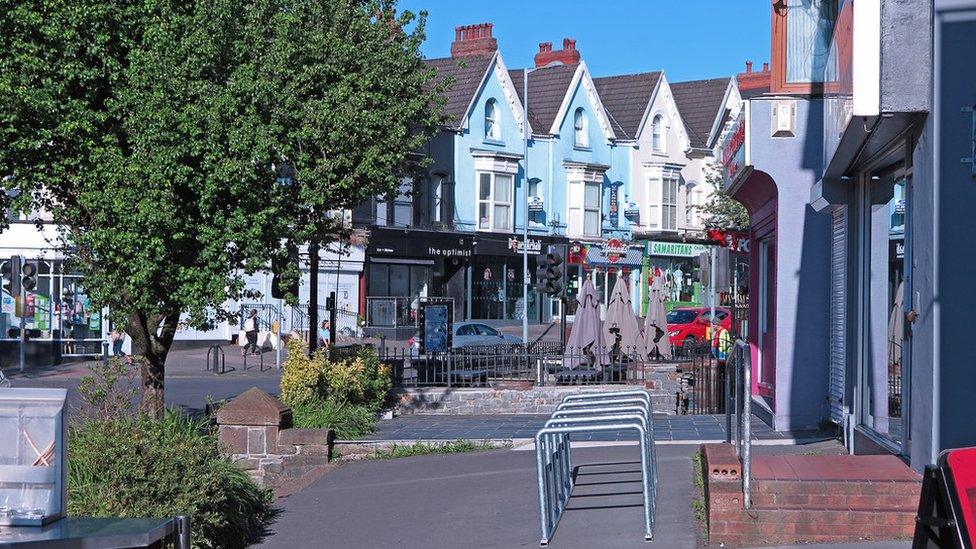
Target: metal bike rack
{"type": "Point", "coordinates": [261, 365]}
{"type": "Point", "coordinates": [591, 413]}
{"type": "Point", "coordinates": [215, 359]}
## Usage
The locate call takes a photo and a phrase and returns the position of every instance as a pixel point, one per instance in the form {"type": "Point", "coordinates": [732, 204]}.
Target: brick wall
{"type": "Point", "coordinates": [272, 456]}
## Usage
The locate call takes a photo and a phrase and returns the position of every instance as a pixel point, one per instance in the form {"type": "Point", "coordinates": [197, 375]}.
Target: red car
{"type": "Point", "coordinates": [687, 324]}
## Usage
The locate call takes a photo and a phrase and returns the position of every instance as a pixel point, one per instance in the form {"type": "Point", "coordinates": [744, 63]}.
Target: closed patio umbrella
{"type": "Point", "coordinates": [586, 346]}
{"type": "Point", "coordinates": [622, 332]}
{"type": "Point", "coordinates": [656, 338]}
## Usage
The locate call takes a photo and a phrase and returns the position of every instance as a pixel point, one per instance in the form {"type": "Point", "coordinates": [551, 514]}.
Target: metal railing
{"type": "Point", "coordinates": [702, 381]}
{"type": "Point", "coordinates": [544, 363]}
{"type": "Point", "coordinates": [216, 360]}
{"type": "Point", "coordinates": [591, 413]}
{"type": "Point", "coordinates": [738, 394]}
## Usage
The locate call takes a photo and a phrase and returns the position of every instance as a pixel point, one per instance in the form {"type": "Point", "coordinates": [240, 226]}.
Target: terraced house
{"type": "Point", "coordinates": [608, 165]}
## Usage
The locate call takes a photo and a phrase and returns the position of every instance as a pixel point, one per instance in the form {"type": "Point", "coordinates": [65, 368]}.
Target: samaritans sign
{"type": "Point", "coordinates": [677, 249]}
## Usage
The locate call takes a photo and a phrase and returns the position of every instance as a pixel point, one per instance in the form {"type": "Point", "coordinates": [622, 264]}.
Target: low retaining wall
{"type": "Point", "coordinates": [487, 401]}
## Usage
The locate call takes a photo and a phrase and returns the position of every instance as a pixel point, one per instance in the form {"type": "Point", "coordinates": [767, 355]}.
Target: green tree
{"type": "Point", "coordinates": [150, 130]}
{"type": "Point", "coordinates": [721, 211]}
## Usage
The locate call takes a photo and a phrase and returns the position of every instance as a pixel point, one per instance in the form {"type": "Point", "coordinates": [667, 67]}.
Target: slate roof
{"type": "Point", "coordinates": [468, 73]}
{"type": "Point", "coordinates": [698, 103]}
{"type": "Point", "coordinates": [625, 99]}
{"type": "Point", "coordinates": [547, 88]}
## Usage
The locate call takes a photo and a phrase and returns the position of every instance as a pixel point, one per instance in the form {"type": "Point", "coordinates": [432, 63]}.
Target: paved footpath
{"type": "Point", "coordinates": [489, 500]}
{"type": "Point", "coordinates": [668, 429]}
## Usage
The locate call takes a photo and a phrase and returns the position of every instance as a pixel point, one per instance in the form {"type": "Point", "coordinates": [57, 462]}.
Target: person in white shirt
{"type": "Point", "coordinates": [251, 332]}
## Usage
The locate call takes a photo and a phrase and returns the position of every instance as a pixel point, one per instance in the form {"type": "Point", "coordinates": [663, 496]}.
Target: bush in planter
{"type": "Point", "coordinates": [343, 393]}
{"type": "Point", "coordinates": [143, 467]}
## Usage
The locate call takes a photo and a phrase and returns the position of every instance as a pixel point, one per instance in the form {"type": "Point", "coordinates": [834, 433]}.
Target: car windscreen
{"type": "Point", "coordinates": [678, 316]}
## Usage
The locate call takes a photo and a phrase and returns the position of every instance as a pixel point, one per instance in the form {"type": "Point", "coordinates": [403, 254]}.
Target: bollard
{"type": "Point", "coordinates": [181, 532]}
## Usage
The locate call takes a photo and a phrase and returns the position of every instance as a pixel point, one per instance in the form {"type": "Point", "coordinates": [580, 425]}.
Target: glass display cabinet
{"type": "Point", "coordinates": [33, 456]}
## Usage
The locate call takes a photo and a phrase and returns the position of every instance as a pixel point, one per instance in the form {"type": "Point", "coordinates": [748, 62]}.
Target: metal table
{"type": "Point", "coordinates": [98, 533]}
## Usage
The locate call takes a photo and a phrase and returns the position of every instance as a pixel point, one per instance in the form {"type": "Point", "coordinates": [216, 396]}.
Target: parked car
{"type": "Point", "coordinates": [473, 334]}
{"type": "Point", "coordinates": [688, 324]}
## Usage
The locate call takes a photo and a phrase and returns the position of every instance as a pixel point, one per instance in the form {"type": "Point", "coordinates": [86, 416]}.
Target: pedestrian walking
{"type": "Point", "coordinates": [251, 333]}
{"type": "Point", "coordinates": [117, 337]}
{"type": "Point", "coordinates": [721, 340]}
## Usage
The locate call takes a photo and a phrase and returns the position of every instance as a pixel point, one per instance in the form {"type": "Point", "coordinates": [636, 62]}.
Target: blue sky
{"type": "Point", "coordinates": [689, 39]}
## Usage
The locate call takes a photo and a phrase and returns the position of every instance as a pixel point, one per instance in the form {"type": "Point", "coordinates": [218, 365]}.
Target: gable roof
{"type": "Point", "coordinates": [468, 73]}
{"type": "Point", "coordinates": [699, 103]}
{"type": "Point", "coordinates": [547, 90]}
{"type": "Point", "coordinates": [626, 99]}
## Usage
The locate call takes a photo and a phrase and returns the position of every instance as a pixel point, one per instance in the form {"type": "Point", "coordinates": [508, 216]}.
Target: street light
{"type": "Point", "coordinates": [525, 225]}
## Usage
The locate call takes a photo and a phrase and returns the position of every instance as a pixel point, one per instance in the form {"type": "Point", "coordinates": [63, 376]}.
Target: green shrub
{"type": "Point", "coordinates": [347, 421]}
{"type": "Point", "coordinates": [143, 467]}
{"type": "Point", "coordinates": [359, 379]}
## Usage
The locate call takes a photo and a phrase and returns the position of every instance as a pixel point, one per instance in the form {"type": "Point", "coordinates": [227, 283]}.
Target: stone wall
{"type": "Point", "coordinates": [533, 400]}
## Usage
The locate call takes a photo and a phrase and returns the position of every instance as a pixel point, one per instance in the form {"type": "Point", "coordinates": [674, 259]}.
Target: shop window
{"type": "Point", "coordinates": [580, 129]}
{"type": "Point", "coordinates": [495, 192]}
{"type": "Point", "coordinates": [585, 199]}
{"type": "Point", "coordinates": [802, 32]}
{"type": "Point", "coordinates": [492, 127]}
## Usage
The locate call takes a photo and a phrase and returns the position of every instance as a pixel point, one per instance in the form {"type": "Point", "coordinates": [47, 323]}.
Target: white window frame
{"type": "Point", "coordinates": [658, 141]}
{"type": "Point", "coordinates": [492, 127]}
{"type": "Point", "coordinates": [492, 202]}
{"type": "Point", "coordinates": [670, 183]}
{"type": "Point", "coordinates": [578, 209]}
{"type": "Point", "coordinates": [580, 129]}
{"type": "Point", "coordinates": [436, 197]}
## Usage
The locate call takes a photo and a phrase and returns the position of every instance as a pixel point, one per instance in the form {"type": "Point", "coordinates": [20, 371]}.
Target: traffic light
{"type": "Point", "coordinates": [549, 274]}
{"type": "Point", "coordinates": [28, 276]}
{"type": "Point", "coordinates": [14, 266]}
{"type": "Point", "coordinates": [281, 286]}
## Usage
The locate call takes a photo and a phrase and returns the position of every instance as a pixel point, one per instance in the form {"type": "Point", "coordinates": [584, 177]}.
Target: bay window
{"type": "Point", "coordinates": [802, 32]}
{"type": "Point", "coordinates": [495, 193]}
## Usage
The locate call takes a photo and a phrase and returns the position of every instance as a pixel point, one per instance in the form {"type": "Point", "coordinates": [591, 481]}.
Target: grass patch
{"type": "Point", "coordinates": [698, 503]}
{"type": "Point", "coordinates": [423, 448]}
{"type": "Point", "coordinates": [347, 421]}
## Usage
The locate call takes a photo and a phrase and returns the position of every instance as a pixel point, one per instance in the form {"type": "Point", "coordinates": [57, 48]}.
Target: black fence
{"type": "Point", "coordinates": [701, 377]}
{"type": "Point", "coordinates": [541, 363]}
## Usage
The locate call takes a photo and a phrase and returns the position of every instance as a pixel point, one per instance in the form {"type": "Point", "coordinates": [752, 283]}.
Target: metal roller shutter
{"type": "Point", "coordinates": [838, 312]}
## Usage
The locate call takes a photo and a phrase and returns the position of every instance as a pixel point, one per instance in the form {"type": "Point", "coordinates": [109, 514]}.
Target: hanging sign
{"type": "Point", "coordinates": [632, 211]}
{"type": "Point", "coordinates": [614, 204]}
{"type": "Point", "coordinates": [536, 204]}
{"type": "Point", "coordinates": [734, 151]}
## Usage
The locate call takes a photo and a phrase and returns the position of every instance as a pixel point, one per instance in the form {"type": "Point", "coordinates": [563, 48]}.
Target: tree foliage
{"type": "Point", "coordinates": [721, 211]}
{"type": "Point", "coordinates": [151, 131]}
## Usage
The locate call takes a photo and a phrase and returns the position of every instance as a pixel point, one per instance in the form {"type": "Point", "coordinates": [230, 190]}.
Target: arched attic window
{"type": "Point", "coordinates": [580, 129]}
{"type": "Point", "coordinates": [657, 133]}
{"type": "Point", "coordinates": [492, 126]}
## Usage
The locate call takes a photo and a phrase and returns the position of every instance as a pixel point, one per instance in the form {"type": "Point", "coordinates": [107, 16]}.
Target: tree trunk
{"type": "Point", "coordinates": [313, 296]}
{"type": "Point", "coordinates": [152, 336]}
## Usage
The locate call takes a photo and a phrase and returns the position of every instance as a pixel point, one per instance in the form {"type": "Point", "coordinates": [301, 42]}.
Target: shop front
{"type": "Point", "coordinates": [497, 277]}
{"type": "Point", "coordinates": [602, 262]}
{"type": "Point", "coordinates": [677, 263]}
{"type": "Point", "coordinates": [404, 265]}
{"type": "Point", "coordinates": [58, 315]}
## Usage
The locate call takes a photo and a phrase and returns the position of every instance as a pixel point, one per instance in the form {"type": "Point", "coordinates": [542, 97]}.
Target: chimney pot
{"type": "Point", "coordinates": [748, 66]}
{"type": "Point", "coordinates": [765, 67]}
{"type": "Point", "coordinates": [569, 55]}
{"type": "Point", "coordinates": [569, 44]}
{"type": "Point", "coordinates": [471, 40]}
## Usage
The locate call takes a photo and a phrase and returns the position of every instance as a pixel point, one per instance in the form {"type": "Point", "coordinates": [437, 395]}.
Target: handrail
{"type": "Point", "coordinates": [738, 393]}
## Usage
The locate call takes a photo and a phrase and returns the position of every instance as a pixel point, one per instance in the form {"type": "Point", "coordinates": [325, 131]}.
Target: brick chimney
{"type": "Point", "coordinates": [569, 55]}
{"type": "Point", "coordinates": [754, 80]}
{"type": "Point", "coordinates": [470, 40]}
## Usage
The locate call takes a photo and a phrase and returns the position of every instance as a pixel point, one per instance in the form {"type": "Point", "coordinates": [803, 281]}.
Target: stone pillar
{"type": "Point", "coordinates": [248, 428]}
